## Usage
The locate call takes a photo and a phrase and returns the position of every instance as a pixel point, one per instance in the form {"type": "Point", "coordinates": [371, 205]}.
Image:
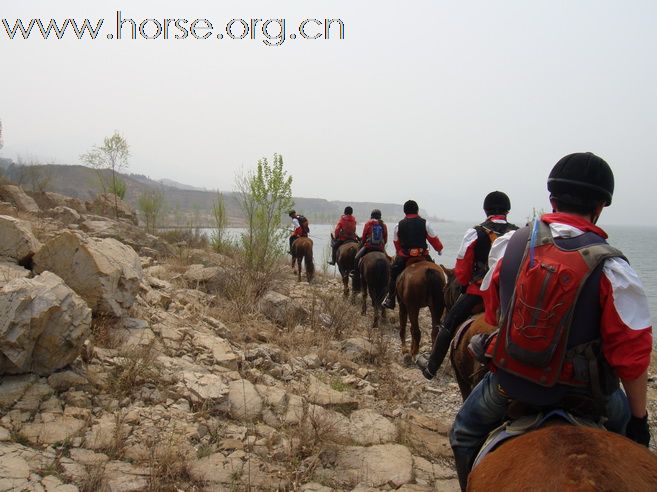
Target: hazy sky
{"type": "Point", "coordinates": [440, 101]}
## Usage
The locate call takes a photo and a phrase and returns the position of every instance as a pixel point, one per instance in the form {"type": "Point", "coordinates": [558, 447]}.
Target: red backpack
{"type": "Point", "coordinates": [533, 335]}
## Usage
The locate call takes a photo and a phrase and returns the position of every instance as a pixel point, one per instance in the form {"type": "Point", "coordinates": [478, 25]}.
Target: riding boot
{"type": "Point", "coordinates": [438, 353]}
{"type": "Point", "coordinates": [355, 280]}
{"type": "Point", "coordinates": [389, 301]}
{"type": "Point", "coordinates": [292, 238]}
{"type": "Point", "coordinates": [463, 463]}
{"type": "Point", "coordinates": [334, 251]}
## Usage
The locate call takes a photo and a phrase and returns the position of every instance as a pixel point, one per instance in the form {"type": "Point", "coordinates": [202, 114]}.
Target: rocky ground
{"type": "Point", "coordinates": [128, 364]}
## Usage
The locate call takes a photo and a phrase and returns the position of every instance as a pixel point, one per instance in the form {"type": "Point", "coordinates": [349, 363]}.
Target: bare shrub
{"type": "Point", "coordinates": [103, 332]}
{"type": "Point", "coordinates": [135, 366]}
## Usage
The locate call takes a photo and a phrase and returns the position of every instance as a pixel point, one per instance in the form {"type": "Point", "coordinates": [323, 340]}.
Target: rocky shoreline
{"type": "Point", "coordinates": [129, 364]}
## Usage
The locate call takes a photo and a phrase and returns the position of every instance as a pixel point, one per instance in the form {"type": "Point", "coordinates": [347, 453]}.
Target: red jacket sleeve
{"type": "Point", "coordinates": [366, 231]}
{"type": "Point", "coordinates": [626, 349]}
{"type": "Point", "coordinates": [385, 234]}
{"type": "Point", "coordinates": [492, 296]}
{"type": "Point", "coordinates": [463, 268]}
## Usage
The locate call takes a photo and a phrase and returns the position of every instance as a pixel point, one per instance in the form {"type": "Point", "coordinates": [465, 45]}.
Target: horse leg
{"type": "Point", "coordinates": [435, 323]}
{"type": "Point", "coordinates": [375, 307]}
{"type": "Point", "coordinates": [403, 317]}
{"type": "Point", "coordinates": [363, 287]}
{"type": "Point", "coordinates": [416, 334]}
{"type": "Point", "coordinates": [299, 269]}
{"type": "Point", "coordinates": [345, 285]}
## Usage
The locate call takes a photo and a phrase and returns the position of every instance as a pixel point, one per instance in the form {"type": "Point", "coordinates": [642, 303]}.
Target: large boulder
{"type": "Point", "coordinates": [47, 200]}
{"type": "Point", "coordinates": [43, 325]}
{"type": "Point", "coordinates": [109, 205]}
{"type": "Point", "coordinates": [105, 272]}
{"type": "Point", "coordinates": [18, 198]}
{"type": "Point", "coordinates": [16, 239]}
{"type": "Point", "coordinates": [7, 208]}
{"type": "Point", "coordinates": [9, 271]}
{"type": "Point", "coordinates": [282, 309]}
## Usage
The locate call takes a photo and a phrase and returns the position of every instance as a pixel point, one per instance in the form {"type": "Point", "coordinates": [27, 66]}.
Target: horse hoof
{"type": "Point", "coordinates": [407, 359]}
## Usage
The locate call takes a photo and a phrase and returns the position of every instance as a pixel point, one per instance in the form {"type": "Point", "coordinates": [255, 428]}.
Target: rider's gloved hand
{"type": "Point", "coordinates": [638, 430]}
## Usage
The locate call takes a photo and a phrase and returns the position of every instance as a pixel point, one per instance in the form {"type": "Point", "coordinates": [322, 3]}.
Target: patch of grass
{"type": "Point", "coordinates": [103, 332]}
{"type": "Point", "coordinates": [338, 385]}
{"type": "Point", "coordinates": [134, 367]}
{"type": "Point", "coordinates": [93, 482]}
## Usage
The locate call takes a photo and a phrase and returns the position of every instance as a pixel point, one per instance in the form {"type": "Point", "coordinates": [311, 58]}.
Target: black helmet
{"type": "Point", "coordinates": [497, 202]}
{"type": "Point", "coordinates": [292, 213]}
{"type": "Point", "coordinates": [348, 210]}
{"type": "Point", "coordinates": [582, 178]}
{"type": "Point", "coordinates": [376, 214]}
{"type": "Point", "coordinates": [410, 207]}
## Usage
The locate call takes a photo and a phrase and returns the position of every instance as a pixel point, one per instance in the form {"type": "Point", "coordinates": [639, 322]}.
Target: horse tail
{"type": "Point", "coordinates": [308, 259]}
{"type": "Point", "coordinates": [378, 280]}
{"type": "Point", "coordinates": [436, 285]}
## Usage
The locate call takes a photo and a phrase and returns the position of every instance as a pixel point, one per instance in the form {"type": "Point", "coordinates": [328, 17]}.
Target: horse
{"type": "Point", "coordinates": [302, 249]}
{"type": "Point", "coordinates": [374, 274]}
{"type": "Point", "coordinates": [345, 260]}
{"type": "Point", "coordinates": [566, 457]}
{"type": "Point", "coordinates": [468, 371]}
{"type": "Point", "coordinates": [421, 284]}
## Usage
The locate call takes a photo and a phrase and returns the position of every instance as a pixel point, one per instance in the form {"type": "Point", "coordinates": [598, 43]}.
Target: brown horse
{"type": "Point", "coordinates": [375, 275]}
{"type": "Point", "coordinates": [421, 284]}
{"type": "Point", "coordinates": [302, 249]}
{"type": "Point", "coordinates": [345, 260]}
{"type": "Point", "coordinates": [468, 372]}
{"type": "Point", "coordinates": [565, 457]}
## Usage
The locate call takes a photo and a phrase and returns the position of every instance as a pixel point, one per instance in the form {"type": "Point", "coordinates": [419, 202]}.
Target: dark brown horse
{"type": "Point", "coordinates": [345, 260]}
{"type": "Point", "coordinates": [375, 275]}
{"type": "Point", "coordinates": [468, 372]}
{"type": "Point", "coordinates": [302, 249]}
{"type": "Point", "coordinates": [565, 457]}
{"type": "Point", "coordinates": [421, 284]}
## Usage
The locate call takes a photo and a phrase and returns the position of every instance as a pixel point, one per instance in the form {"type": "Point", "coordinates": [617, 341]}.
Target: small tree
{"type": "Point", "coordinates": [150, 203]}
{"type": "Point", "coordinates": [265, 195]}
{"type": "Point", "coordinates": [113, 156]}
{"type": "Point", "coordinates": [219, 237]}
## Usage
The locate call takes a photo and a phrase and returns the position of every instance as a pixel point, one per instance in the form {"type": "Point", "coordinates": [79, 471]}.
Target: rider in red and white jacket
{"type": "Point", "coordinates": [625, 325]}
{"type": "Point", "coordinates": [610, 318]}
{"type": "Point", "coordinates": [410, 239]}
{"type": "Point", "coordinates": [471, 266]}
{"type": "Point", "coordinates": [345, 231]}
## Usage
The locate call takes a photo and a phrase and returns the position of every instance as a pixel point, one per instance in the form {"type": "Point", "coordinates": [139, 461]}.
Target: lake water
{"type": "Point", "coordinates": [637, 243]}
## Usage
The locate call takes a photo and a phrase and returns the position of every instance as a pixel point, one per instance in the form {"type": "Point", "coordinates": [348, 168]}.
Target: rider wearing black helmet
{"type": "Point", "coordinates": [606, 338]}
{"type": "Point", "coordinates": [411, 237]}
{"type": "Point", "coordinates": [471, 267]}
{"type": "Point", "coordinates": [373, 238]}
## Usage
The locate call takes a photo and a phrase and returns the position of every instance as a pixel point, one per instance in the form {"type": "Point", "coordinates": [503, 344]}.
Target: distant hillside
{"type": "Point", "coordinates": [187, 205]}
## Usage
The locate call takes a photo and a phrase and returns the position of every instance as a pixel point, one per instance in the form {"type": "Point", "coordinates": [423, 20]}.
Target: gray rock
{"type": "Point", "coordinates": [245, 402]}
{"type": "Point", "coordinates": [373, 466]}
{"type": "Point", "coordinates": [18, 198]}
{"type": "Point", "coordinates": [16, 239]}
{"type": "Point", "coordinates": [104, 272]}
{"type": "Point", "coordinates": [282, 309]}
{"type": "Point", "coordinates": [43, 325]}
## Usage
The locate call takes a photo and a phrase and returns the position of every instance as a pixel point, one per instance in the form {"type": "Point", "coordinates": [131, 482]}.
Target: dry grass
{"type": "Point", "coordinates": [93, 482]}
{"type": "Point", "coordinates": [168, 465]}
{"type": "Point", "coordinates": [315, 433]}
{"type": "Point", "coordinates": [135, 366]}
{"type": "Point", "coordinates": [103, 332]}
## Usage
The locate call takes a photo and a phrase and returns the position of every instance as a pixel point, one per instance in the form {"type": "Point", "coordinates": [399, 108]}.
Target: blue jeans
{"type": "Point", "coordinates": [485, 409]}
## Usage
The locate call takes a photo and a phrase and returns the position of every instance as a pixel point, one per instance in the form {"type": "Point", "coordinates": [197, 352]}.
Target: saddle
{"type": "Point", "coordinates": [527, 423]}
{"type": "Point", "coordinates": [412, 260]}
